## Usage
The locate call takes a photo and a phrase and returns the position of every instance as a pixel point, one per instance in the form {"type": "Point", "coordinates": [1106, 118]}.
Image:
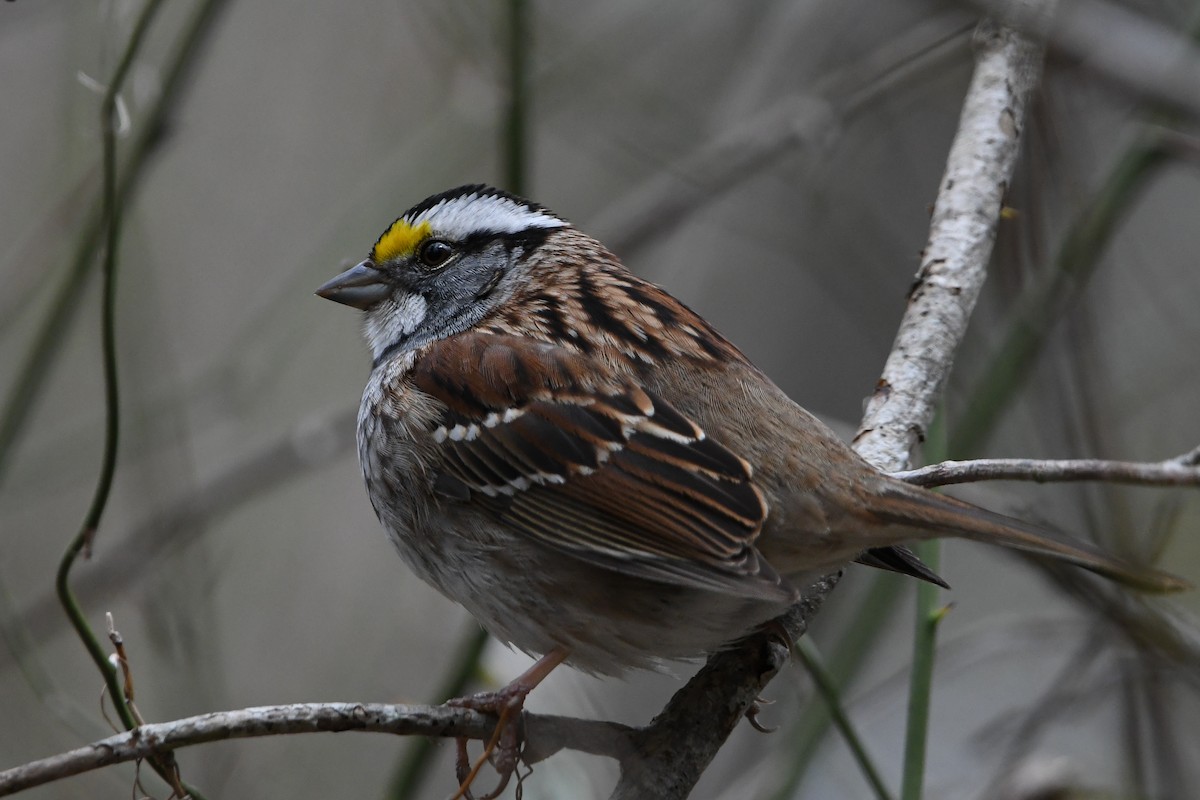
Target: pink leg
{"type": "Point", "coordinates": [504, 748]}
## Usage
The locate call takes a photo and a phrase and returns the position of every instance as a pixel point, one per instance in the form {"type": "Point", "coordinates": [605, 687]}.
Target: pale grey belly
{"type": "Point", "coordinates": [538, 599]}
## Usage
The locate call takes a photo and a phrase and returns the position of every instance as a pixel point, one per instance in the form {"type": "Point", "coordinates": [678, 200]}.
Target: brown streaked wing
{"type": "Point", "coordinates": [591, 464]}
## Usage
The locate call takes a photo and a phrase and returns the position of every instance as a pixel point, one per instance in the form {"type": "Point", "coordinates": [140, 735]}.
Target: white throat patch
{"type": "Point", "coordinates": [391, 322]}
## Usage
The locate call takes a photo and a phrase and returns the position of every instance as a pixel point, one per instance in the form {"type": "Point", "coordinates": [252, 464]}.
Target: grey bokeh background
{"type": "Point", "coordinates": [303, 134]}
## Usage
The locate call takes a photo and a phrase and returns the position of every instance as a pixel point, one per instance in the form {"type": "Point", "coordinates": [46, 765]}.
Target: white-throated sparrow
{"type": "Point", "coordinates": [589, 467]}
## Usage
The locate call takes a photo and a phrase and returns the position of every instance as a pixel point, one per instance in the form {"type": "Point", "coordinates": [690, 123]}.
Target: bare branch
{"type": "Point", "coordinates": [545, 734]}
{"type": "Point", "coordinates": [149, 740]}
{"type": "Point", "coordinates": [1182, 470]}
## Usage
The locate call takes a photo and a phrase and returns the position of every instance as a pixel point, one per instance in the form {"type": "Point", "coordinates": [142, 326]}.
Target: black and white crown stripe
{"type": "Point", "coordinates": [467, 210]}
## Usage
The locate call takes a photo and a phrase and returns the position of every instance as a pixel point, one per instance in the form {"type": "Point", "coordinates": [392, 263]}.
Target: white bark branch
{"type": "Point", "coordinates": [955, 259]}
{"type": "Point", "coordinates": [1182, 470]}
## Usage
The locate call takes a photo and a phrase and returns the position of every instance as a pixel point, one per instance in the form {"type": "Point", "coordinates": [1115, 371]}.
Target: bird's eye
{"type": "Point", "coordinates": [435, 253]}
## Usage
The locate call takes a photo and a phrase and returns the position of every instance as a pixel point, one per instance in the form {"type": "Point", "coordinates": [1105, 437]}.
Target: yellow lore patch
{"type": "Point", "coordinates": [399, 240]}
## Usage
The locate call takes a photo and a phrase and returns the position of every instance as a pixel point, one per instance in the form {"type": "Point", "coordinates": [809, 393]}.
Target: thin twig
{"type": "Point", "coordinates": [111, 208]}
{"type": "Point", "coordinates": [1182, 470]}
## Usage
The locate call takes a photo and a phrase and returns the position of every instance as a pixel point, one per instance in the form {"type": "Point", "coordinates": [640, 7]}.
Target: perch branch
{"type": "Point", "coordinates": [547, 734]}
{"type": "Point", "coordinates": [157, 738]}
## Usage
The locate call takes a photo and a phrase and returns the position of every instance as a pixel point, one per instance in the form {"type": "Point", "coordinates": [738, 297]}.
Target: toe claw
{"type": "Point", "coordinates": [752, 716]}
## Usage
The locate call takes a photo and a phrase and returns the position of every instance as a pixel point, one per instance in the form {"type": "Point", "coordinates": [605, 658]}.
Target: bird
{"type": "Point", "coordinates": [590, 468]}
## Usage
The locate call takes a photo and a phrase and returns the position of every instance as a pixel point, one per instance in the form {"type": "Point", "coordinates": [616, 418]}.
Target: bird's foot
{"type": "Point", "coordinates": [503, 749]}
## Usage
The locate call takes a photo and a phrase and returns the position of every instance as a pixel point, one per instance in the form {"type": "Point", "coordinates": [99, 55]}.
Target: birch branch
{"type": "Point", "coordinates": [954, 262]}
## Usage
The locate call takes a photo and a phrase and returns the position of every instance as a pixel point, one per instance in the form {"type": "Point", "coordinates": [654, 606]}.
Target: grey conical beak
{"type": "Point", "coordinates": [361, 286]}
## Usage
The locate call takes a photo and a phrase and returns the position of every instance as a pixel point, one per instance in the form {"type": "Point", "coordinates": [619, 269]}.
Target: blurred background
{"type": "Point", "coordinates": [771, 163]}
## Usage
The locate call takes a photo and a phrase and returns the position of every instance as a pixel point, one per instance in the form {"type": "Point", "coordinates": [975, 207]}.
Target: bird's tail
{"type": "Point", "coordinates": [937, 514]}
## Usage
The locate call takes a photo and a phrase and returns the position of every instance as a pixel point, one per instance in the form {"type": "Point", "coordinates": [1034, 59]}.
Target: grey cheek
{"type": "Point", "coordinates": [491, 284]}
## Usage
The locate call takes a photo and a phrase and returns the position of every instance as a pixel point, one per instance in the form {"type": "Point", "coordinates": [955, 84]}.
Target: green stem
{"type": "Point", "coordinates": [827, 686]}
{"type": "Point", "coordinates": [861, 634]}
{"type": "Point", "coordinates": [920, 690]}
{"type": "Point", "coordinates": [929, 613]}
